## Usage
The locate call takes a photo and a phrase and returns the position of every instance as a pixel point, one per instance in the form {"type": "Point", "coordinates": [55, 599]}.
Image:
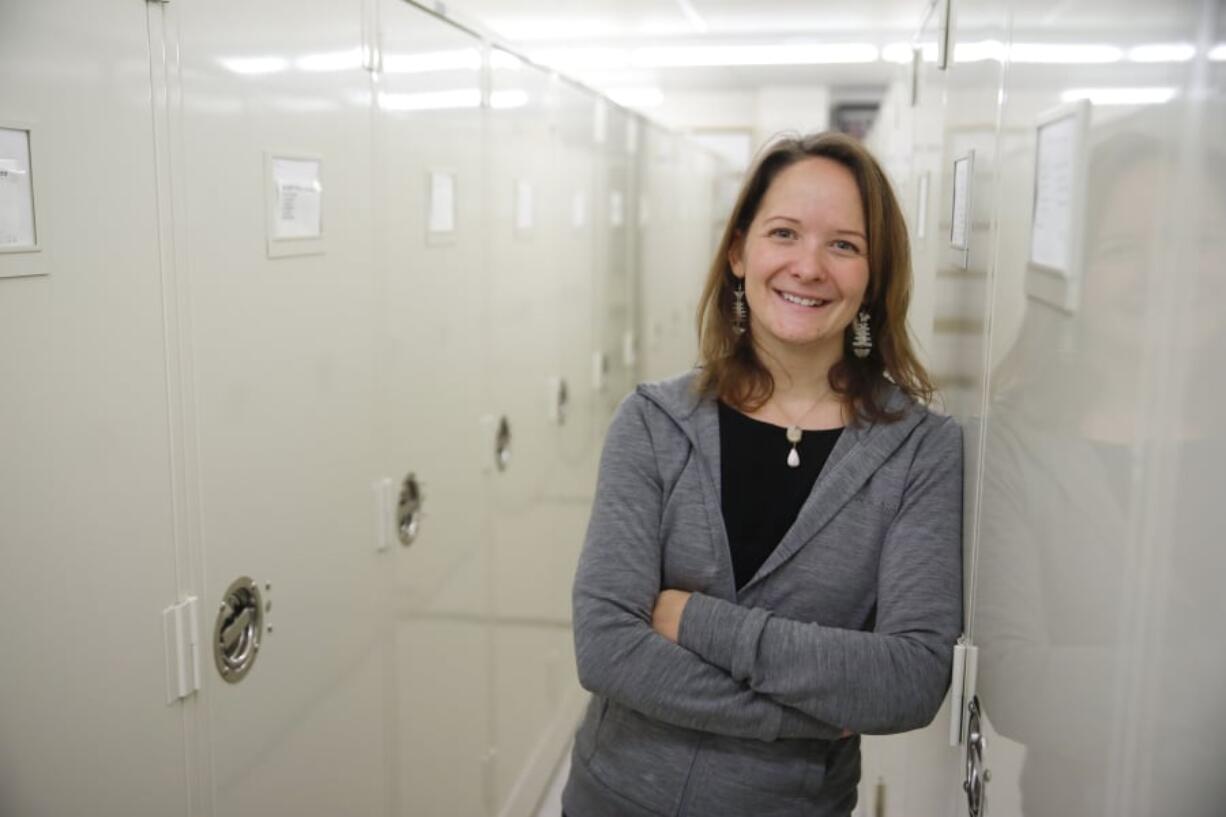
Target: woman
{"type": "Point", "coordinates": [773, 563]}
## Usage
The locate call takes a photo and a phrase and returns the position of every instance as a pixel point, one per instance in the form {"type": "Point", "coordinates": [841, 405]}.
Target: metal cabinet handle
{"type": "Point", "coordinates": [563, 400]}
{"type": "Point", "coordinates": [502, 444]}
{"type": "Point", "coordinates": [977, 776]}
{"type": "Point", "coordinates": [239, 628]}
{"type": "Point", "coordinates": [408, 510]}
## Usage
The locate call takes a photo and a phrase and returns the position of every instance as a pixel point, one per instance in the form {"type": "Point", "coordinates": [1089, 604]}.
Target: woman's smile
{"type": "Point", "coordinates": [800, 300]}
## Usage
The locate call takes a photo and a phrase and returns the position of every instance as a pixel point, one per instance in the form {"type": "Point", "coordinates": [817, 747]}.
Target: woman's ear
{"type": "Point", "coordinates": [735, 254]}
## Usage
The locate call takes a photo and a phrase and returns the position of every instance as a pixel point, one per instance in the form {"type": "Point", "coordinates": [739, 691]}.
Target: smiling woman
{"type": "Point", "coordinates": [773, 564]}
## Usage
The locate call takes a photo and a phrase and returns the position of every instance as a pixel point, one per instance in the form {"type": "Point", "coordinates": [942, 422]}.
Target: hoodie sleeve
{"type": "Point", "coordinates": [894, 678]}
{"type": "Point", "coordinates": [617, 582]}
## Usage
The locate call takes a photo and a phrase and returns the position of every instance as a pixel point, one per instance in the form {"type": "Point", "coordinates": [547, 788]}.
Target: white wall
{"type": "Point", "coordinates": [761, 113]}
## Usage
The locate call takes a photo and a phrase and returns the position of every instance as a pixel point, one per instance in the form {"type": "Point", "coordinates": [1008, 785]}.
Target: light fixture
{"type": "Point", "coordinates": [331, 61]}
{"type": "Point", "coordinates": [505, 60]}
{"type": "Point", "coordinates": [255, 65]}
{"type": "Point", "coordinates": [431, 101]}
{"type": "Point", "coordinates": [1162, 52]}
{"type": "Point", "coordinates": [462, 59]}
{"type": "Point", "coordinates": [1064, 53]}
{"type": "Point", "coordinates": [1120, 96]}
{"type": "Point", "coordinates": [583, 59]}
{"type": "Point", "coordinates": [511, 98]}
{"type": "Point", "coordinates": [691, 14]}
{"type": "Point", "coordinates": [553, 29]}
{"type": "Point", "coordinates": [742, 55]}
{"type": "Point", "coordinates": [641, 97]}
{"type": "Point", "coordinates": [980, 51]}
{"type": "Point", "coordinates": [899, 53]}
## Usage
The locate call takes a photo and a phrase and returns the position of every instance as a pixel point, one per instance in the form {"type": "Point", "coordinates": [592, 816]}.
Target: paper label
{"type": "Point", "coordinates": [962, 193]}
{"type": "Point", "coordinates": [16, 190]}
{"type": "Point", "coordinates": [578, 210]}
{"type": "Point", "coordinates": [1053, 195]}
{"type": "Point", "coordinates": [617, 208]}
{"type": "Point", "coordinates": [442, 202]}
{"type": "Point", "coordinates": [297, 211]}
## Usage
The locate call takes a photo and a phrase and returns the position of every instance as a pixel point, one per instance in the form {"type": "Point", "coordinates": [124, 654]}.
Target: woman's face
{"type": "Point", "coordinates": [804, 259]}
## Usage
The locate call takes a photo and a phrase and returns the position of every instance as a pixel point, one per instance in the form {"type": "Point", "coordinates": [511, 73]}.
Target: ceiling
{"type": "Point", "coordinates": [629, 47]}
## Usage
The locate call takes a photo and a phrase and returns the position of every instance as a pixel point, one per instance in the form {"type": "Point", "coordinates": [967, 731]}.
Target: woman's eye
{"type": "Point", "coordinates": [783, 232]}
{"type": "Point", "coordinates": [846, 246]}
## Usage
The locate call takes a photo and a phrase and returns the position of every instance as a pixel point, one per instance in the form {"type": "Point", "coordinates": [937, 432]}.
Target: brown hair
{"type": "Point", "coordinates": [731, 369]}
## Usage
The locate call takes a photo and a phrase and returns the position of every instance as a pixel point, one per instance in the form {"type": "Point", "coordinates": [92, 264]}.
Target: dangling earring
{"type": "Point", "coordinates": [861, 337]}
{"type": "Point", "coordinates": [740, 312]}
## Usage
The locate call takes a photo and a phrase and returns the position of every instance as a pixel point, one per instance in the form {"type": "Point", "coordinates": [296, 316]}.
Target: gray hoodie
{"type": "Point", "coordinates": [849, 624]}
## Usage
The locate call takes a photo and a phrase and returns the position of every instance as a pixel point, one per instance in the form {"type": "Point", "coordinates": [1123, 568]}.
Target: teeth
{"type": "Point", "coordinates": [796, 299]}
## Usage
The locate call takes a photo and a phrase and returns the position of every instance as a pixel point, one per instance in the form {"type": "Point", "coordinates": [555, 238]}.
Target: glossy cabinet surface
{"type": "Point", "coordinates": [89, 528]}
{"type": "Point", "coordinates": [193, 400]}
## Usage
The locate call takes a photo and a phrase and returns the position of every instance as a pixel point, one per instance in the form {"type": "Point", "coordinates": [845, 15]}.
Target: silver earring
{"type": "Point", "coordinates": [861, 336]}
{"type": "Point", "coordinates": [740, 312]}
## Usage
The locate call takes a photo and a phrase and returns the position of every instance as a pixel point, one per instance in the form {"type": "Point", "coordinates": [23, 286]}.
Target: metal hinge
{"type": "Point", "coordinates": [962, 688]}
{"type": "Point", "coordinates": [180, 626]}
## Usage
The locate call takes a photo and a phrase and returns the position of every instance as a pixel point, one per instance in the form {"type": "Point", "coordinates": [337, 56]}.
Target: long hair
{"type": "Point", "coordinates": [730, 367]}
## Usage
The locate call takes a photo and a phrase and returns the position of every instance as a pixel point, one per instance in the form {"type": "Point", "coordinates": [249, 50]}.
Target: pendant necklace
{"type": "Point", "coordinates": [794, 432]}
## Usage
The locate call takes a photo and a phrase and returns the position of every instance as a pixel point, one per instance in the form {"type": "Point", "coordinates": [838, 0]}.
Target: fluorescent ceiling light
{"type": "Point", "coordinates": [897, 52]}
{"type": "Point", "coordinates": [733, 55]}
{"type": "Point", "coordinates": [334, 61]}
{"type": "Point", "coordinates": [637, 97]}
{"type": "Point", "coordinates": [1218, 53]}
{"type": "Point", "coordinates": [255, 65]}
{"type": "Point", "coordinates": [1065, 54]}
{"type": "Point", "coordinates": [432, 101]}
{"type": "Point", "coordinates": [900, 53]}
{"type": "Point", "coordinates": [519, 29]}
{"type": "Point", "coordinates": [980, 51]}
{"type": "Point", "coordinates": [1120, 96]}
{"type": "Point", "coordinates": [691, 14]}
{"type": "Point", "coordinates": [584, 59]}
{"type": "Point", "coordinates": [505, 59]}
{"type": "Point", "coordinates": [512, 98]}
{"type": "Point", "coordinates": [303, 104]}
{"type": "Point", "coordinates": [656, 27]}
{"type": "Point", "coordinates": [463, 59]}
{"type": "Point", "coordinates": [1162, 52]}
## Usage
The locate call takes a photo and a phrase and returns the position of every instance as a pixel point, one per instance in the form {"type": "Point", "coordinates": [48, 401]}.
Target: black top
{"type": "Point", "coordinates": [762, 495]}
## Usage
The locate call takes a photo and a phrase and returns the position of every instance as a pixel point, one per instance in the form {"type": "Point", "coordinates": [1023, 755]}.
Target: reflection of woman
{"type": "Point", "coordinates": [774, 556]}
{"type": "Point", "coordinates": [1074, 624]}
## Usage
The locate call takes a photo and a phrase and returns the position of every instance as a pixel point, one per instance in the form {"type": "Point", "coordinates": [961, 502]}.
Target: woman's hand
{"type": "Point", "coordinates": [666, 617]}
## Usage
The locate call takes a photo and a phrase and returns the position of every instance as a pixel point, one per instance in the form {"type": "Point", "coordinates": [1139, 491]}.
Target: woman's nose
{"type": "Point", "coordinates": [809, 265]}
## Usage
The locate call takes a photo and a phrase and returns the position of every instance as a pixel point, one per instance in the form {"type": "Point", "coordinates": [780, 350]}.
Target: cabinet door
{"type": "Point", "coordinates": [275, 172]}
{"type": "Point", "coordinates": [530, 210]}
{"type": "Point", "coordinates": [430, 239]}
{"type": "Point", "coordinates": [88, 460]}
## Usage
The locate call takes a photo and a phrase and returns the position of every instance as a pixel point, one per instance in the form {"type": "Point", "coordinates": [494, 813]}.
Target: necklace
{"type": "Point", "coordinates": [794, 431]}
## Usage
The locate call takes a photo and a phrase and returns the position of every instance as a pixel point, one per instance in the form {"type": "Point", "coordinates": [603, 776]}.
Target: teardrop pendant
{"type": "Point", "coordinates": [793, 458]}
